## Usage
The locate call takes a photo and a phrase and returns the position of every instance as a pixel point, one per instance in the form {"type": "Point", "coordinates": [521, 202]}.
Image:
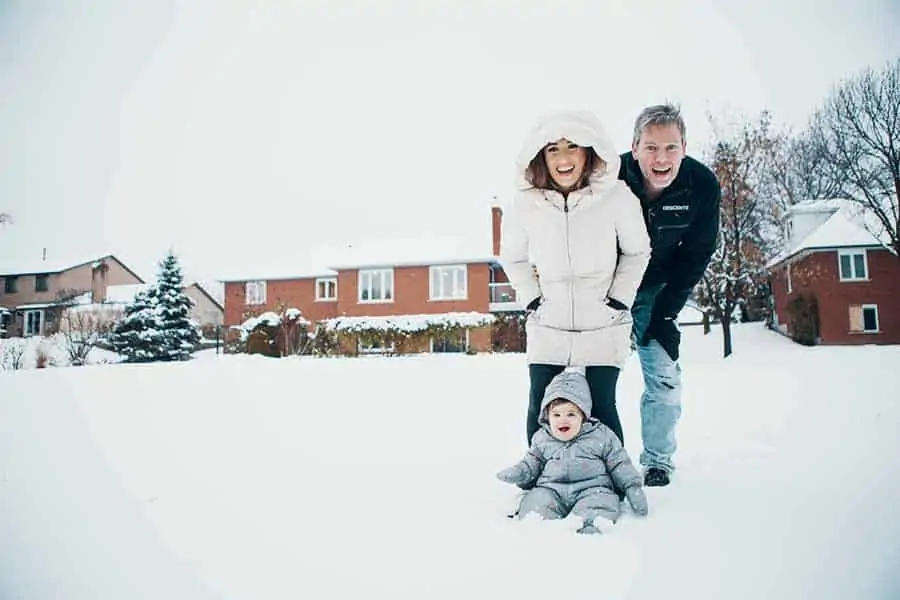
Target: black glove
{"type": "Point", "coordinates": [615, 304]}
{"type": "Point", "coordinates": [664, 331]}
{"type": "Point", "coordinates": [533, 305]}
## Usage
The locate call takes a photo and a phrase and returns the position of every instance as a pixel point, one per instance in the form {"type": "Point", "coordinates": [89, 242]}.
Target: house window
{"type": "Point", "coordinates": [447, 282]}
{"type": "Point", "coordinates": [853, 265]}
{"type": "Point", "coordinates": [256, 292]}
{"type": "Point", "coordinates": [33, 321]}
{"type": "Point", "coordinates": [376, 285]}
{"type": "Point", "coordinates": [41, 283]}
{"type": "Point", "coordinates": [864, 318]}
{"type": "Point", "coordinates": [11, 286]}
{"type": "Point", "coordinates": [326, 288]}
{"type": "Point", "coordinates": [458, 342]}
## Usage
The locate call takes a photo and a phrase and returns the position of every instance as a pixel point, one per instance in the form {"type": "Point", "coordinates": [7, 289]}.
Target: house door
{"type": "Point", "coordinates": [33, 321]}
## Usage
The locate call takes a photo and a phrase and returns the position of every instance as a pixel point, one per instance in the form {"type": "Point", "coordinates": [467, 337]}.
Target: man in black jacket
{"type": "Point", "coordinates": [680, 197]}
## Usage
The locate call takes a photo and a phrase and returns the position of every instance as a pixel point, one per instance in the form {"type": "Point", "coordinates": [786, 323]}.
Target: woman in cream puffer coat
{"type": "Point", "coordinates": [574, 246]}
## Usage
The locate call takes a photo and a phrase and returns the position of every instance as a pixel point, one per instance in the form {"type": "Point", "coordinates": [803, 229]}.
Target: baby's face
{"type": "Point", "coordinates": [565, 421]}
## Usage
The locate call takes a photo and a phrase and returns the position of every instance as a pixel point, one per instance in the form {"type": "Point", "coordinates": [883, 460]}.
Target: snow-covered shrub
{"type": "Point", "coordinates": [400, 330]}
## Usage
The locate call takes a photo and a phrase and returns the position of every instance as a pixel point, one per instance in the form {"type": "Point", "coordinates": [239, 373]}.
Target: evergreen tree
{"type": "Point", "coordinates": [137, 335]}
{"type": "Point", "coordinates": [179, 333]}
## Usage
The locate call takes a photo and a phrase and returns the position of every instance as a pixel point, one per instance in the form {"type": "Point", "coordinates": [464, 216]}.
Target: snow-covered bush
{"type": "Point", "coordinates": [272, 333]}
{"type": "Point", "coordinates": [401, 330]}
{"type": "Point", "coordinates": [28, 353]}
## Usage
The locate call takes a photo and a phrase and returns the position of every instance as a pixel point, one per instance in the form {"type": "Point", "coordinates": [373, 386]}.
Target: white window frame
{"type": "Point", "coordinates": [465, 349]}
{"type": "Point", "coordinates": [854, 276]}
{"type": "Point", "coordinates": [365, 283]}
{"type": "Point", "coordinates": [454, 294]}
{"type": "Point", "coordinates": [255, 293]}
{"type": "Point", "coordinates": [28, 332]}
{"type": "Point", "coordinates": [326, 282]}
{"type": "Point", "coordinates": [863, 308]}
{"type": "Point", "coordinates": [873, 307]}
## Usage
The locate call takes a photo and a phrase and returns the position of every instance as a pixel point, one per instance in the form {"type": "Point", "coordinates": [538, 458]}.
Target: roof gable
{"type": "Point", "coordinates": [53, 266]}
{"type": "Point", "coordinates": [849, 226]}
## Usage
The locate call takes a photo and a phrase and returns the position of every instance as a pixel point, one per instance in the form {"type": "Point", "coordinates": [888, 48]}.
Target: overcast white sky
{"type": "Point", "coordinates": [235, 131]}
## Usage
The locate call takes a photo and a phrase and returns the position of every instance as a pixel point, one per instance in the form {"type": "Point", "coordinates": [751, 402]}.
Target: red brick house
{"type": "Point", "coordinates": [853, 276]}
{"type": "Point", "coordinates": [386, 280]}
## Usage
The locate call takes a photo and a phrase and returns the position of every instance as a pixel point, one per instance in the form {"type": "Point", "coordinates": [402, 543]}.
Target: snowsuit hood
{"type": "Point", "coordinates": [579, 126]}
{"type": "Point", "coordinates": [571, 386]}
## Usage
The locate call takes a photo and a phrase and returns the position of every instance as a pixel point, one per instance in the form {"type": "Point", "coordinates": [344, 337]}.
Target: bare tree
{"type": "Point", "coordinates": [83, 330]}
{"type": "Point", "coordinates": [858, 133]}
{"type": "Point", "coordinates": [799, 169]}
{"type": "Point", "coordinates": [741, 159]}
{"type": "Point", "coordinates": [83, 327]}
{"type": "Point", "coordinates": [12, 354]}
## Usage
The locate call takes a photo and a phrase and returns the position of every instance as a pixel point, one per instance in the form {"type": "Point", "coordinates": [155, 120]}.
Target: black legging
{"type": "Point", "coordinates": [602, 381]}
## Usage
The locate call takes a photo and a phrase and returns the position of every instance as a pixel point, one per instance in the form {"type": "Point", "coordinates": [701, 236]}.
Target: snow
{"type": "Point", "coordinates": [268, 319]}
{"type": "Point", "coordinates": [408, 251]}
{"type": "Point", "coordinates": [415, 251]}
{"type": "Point", "coordinates": [273, 268]}
{"type": "Point", "coordinates": [248, 477]}
{"type": "Point", "coordinates": [51, 265]}
{"type": "Point", "coordinates": [410, 323]}
{"type": "Point", "coordinates": [849, 226]}
{"type": "Point", "coordinates": [25, 351]}
{"type": "Point", "coordinates": [691, 314]}
{"type": "Point", "coordinates": [125, 293]}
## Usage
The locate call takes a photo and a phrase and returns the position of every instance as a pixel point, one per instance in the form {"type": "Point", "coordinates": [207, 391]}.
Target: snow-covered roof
{"type": "Point", "coordinates": [816, 206]}
{"type": "Point", "coordinates": [849, 226]}
{"type": "Point", "coordinates": [393, 252]}
{"type": "Point", "coordinates": [273, 270]}
{"type": "Point", "coordinates": [413, 252]}
{"type": "Point", "coordinates": [51, 265]}
{"type": "Point", "coordinates": [124, 294]}
{"type": "Point", "coordinates": [215, 290]}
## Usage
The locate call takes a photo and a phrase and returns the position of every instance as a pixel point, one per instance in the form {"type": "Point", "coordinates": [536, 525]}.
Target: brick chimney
{"type": "Point", "coordinates": [496, 220]}
{"type": "Point", "coordinates": [98, 282]}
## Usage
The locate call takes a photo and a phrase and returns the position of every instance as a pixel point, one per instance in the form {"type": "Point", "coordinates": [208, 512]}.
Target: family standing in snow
{"type": "Point", "coordinates": [576, 246]}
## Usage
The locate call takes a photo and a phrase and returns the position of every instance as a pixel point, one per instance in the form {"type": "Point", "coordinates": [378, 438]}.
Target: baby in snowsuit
{"type": "Point", "coordinates": [575, 465]}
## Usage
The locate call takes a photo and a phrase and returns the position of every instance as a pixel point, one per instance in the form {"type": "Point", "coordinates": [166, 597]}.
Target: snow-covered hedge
{"type": "Point", "coordinates": [410, 324]}
{"type": "Point", "coordinates": [399, 329]}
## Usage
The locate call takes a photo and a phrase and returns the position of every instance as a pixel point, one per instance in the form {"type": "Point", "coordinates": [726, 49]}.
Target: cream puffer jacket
{"type": "Point", "coordinates": [575, 253]}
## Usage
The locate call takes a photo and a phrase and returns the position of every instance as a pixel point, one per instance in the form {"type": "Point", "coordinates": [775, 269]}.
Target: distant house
{"type": "Point", "coordinates": [33, 296]}
{"type": "Point", "coordinates": [851, 274]}
{"type": "Point", "coordinates": [207, 311]}
{"type": "Point", "coordinates": [31, 293]}
{"type": "Point", "coordinates": [397, 278]}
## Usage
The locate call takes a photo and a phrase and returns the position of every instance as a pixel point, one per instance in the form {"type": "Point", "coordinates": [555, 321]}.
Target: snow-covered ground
{"type": "Point", "coordinates": [246, 477]}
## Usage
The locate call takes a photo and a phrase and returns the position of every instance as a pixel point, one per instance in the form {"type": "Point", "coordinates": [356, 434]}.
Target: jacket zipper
{"type": "Point", "coordinates": [571, 282]}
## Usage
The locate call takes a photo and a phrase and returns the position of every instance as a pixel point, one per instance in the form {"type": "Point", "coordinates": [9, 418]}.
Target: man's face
{"type": "Point", "coordinates": [565, 420]}
{"type": "Point", "coordinates": [659, 153]}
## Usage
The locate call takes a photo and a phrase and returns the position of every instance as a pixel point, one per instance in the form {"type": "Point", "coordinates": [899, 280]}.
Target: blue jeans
{"type": "Point", "coordinates": [660, 406]}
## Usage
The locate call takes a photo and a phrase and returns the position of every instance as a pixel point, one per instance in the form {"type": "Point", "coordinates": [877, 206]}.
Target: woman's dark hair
{"type": "Point", "coordinates": [538, 175]}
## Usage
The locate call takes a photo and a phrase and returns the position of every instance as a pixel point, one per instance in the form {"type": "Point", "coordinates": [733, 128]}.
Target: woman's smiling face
{"type": "Point", "coordinates": [565, 162]}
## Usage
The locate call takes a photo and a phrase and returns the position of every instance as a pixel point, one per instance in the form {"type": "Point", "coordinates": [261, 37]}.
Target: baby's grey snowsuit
{"type": "Point", "coordinates": [580, 476]}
